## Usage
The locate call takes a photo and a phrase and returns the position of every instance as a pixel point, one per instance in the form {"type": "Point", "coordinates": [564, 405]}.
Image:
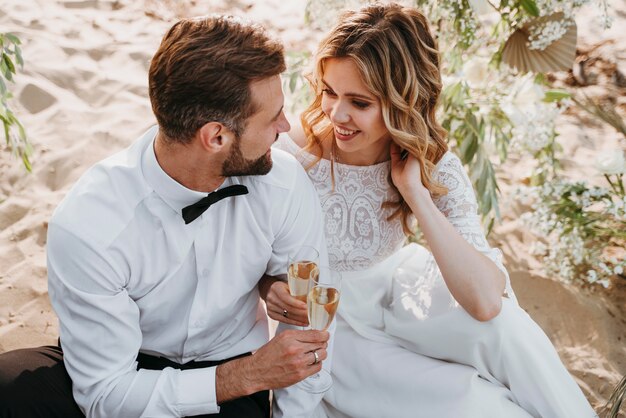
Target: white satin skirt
{"type": "Point", "coordinates": [404, 348]}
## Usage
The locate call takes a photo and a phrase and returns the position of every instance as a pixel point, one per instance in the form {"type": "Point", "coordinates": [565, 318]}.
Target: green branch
{"type": "Point", "coordinates": [14, 132]}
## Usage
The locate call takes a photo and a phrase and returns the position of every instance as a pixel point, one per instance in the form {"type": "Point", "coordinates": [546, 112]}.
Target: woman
{"type": "Point", "coordinates": [419, 333]}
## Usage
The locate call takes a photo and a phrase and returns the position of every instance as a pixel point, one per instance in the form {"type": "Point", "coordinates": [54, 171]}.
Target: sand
{"type": "Point", "coordinates": [83, 96]}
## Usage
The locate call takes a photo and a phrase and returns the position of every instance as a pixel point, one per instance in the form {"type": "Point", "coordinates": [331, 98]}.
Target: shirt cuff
{"type": "Point", "coordinates": [196, 392]}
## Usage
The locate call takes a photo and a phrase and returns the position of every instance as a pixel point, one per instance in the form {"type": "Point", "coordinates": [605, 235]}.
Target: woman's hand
{"type": "Point", "coordinates": [406, 175]}
{"type": "Point", "coordinates": [277, 298]}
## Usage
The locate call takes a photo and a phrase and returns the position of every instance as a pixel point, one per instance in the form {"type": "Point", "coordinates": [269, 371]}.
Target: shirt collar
{"type": "Point", "coordinates": [172, 192]}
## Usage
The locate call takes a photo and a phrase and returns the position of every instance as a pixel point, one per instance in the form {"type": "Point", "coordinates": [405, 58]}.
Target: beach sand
{"type": "Point", "coordinates": [82, 96]}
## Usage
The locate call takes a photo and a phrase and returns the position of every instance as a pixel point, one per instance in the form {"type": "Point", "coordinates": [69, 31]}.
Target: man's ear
{"type": "Point", "coordinates": [215, 137]}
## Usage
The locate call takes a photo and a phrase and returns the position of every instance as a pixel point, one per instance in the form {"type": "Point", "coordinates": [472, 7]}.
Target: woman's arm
{"type": "Point", "coordinates": [473, 279]}
{"type": "Point", "coordinates": [275, 293]}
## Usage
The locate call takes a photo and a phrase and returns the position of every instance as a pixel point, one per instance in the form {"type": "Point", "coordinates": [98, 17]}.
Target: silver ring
{"type": "Point", "coordinates": [317, 358]}
{"type": "Point", "coordinates": [285, 313]}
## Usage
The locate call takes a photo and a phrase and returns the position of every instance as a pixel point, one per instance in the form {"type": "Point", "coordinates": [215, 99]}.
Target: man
{"type": "Point", "coordinates": [153, 280]}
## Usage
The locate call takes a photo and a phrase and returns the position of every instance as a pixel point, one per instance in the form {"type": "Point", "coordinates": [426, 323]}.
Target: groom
{"type": "Point", "coordinates": [155, 254]}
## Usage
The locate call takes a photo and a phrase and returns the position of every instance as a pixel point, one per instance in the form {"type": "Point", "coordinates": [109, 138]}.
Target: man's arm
{"type": "Point", "coordinates": [275, 292]}
{"type": "Point", "coordinates": [101, 337]}
{"type": "Point", "coordinates": [285, 360]}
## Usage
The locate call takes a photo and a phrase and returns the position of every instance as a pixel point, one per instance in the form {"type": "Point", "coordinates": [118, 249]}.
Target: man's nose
{"type": "Point", "coordinates": [283, 125]}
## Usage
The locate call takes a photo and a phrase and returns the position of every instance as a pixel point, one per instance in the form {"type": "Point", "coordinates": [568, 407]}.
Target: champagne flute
{"type": "Point", "coordinates": [322, 304]}
{"type": "Point", "coordinates": [302, 267]}
{"type": "Point", "coordinates": [323, 298]}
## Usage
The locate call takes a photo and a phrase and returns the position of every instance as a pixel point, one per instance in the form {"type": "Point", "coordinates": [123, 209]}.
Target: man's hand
{"type": "Point", "coordinates": [285, 360]}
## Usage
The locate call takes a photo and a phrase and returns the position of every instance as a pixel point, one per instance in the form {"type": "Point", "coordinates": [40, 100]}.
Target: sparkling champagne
{"type": "Point", "coordinates": [298, 276]}
{"type": "Point", "coordinates": [322, 303]}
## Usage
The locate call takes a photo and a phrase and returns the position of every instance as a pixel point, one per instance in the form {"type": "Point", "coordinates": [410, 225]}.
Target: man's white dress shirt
{"type": "Point", "coordinates": [127, 275]}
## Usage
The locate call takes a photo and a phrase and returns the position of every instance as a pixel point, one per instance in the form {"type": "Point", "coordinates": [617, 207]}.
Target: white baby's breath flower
{"type": "Point", "coordinates": [538, 248]}
{"type": "Point", "coordinates": [592, 276]}
{"type": "Point", "coordinates": [528, 93]}
{"type": "Point", "coordinates": [611, 162]}
{"type": "Point", "coordinates": [544, 35]}
{"type": "Point", "coordinates": [515, 115]}
{"type": "Point", "coordinates": [481, 7]}
{"type": "Point", "coordinates": [475, 71]}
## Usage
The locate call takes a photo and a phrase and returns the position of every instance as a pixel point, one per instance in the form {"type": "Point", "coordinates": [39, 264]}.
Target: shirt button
{"type": "Point", "coordinates": [205, 272]}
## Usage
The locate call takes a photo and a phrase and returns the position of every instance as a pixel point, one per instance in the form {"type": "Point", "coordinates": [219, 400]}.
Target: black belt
{"type": "Point", "coordinates": [149, 362]}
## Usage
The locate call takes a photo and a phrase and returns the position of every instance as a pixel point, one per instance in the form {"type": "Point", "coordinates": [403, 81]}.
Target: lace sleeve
{"type": "Point", "coordinates": [461, 209]}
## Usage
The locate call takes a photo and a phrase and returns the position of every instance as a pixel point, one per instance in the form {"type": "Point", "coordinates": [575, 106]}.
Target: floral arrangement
{"type": "Point", "coordinates": [583, 227]}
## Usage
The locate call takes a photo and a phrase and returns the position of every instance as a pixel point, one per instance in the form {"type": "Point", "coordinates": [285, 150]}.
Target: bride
{"type": "Point", "coordinates": [419, 333]}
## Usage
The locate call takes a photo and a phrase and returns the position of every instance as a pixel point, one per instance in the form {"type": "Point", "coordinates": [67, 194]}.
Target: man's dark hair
{"type": "Point", "coordinates": [202, 73]}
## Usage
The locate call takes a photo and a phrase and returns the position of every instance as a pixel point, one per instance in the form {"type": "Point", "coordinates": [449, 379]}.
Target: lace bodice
{"type": "Point", "coordinates": [358, 234]}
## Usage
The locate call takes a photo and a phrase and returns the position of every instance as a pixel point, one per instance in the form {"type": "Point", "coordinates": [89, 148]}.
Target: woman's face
{"type": "Point", "coordinates": [355, 114]}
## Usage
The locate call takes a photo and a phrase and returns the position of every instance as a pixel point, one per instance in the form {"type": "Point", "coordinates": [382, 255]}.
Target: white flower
{"type": "Point", "coordinates": [517, 117]}
{"type": "Point", "coordinates": [611, 162]}
{"type": "Point", "coordinates": [543, 36]}
{"type": "Point", "coordinates": [618, 270]}
{"type": "Point", "coordinates": [528, 94]}
{"type": "Point", "coordinates": [592, 276]}
{"type": "Point", "coordinates": [481, 7]}
{"type": "Point", "coordinates": [527, 112]}
{"type": "Point", "coordinates": [475, 71]}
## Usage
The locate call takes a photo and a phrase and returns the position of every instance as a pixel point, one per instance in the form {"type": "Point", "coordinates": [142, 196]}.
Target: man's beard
{"type": "Point", "coordinates": [237, 165]}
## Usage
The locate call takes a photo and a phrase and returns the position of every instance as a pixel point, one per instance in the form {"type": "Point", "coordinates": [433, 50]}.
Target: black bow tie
{"type": "Point", "coordinates": [192, 212]}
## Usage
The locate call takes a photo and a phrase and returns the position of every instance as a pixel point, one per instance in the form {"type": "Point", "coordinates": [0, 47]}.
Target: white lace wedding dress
{"type": "Point", "coordinates": [403, 347]}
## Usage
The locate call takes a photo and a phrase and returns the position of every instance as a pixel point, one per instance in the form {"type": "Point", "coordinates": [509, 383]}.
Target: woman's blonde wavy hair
{"type": "Point", "coordinates": [398, 60]}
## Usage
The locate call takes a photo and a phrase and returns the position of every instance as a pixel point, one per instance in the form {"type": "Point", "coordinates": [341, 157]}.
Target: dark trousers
{"type": "Point", "coordinates": [34, 383]}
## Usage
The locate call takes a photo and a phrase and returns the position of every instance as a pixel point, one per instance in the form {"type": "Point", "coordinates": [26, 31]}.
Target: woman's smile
{"type": "Point", "coordinates": [344, 134]}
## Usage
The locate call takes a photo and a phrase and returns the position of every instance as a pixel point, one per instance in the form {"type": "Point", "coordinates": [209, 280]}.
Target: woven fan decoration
{"type": "Point", "coordinates": [559, 55]}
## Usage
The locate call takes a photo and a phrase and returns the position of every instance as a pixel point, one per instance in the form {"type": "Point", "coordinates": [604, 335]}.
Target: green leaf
{"type": "Point", "coordinates": [556, 96]}
{"type": "Point", "coordinates": [18, 57]}
{"type": "Point", "coordinates": [490, 225]}
{"type": "Point", "coordinates": [473, 123]}
{"type": "Point", "coordinates": [481, 186]}
{"type": "Point", "coordinates": [293, 82]}
{"type": "Point", "coordinates": [476, 169]}
{"type": "Point", "coordinates": [22, 131]}
{"type": "Point", "coordinates": [26, 162]}
{"type": "Point", "coordinates": [6, 132]}
{"type": "Point", "coordinates": [446, 124]}
{"type": "Point", "coordinates": [494, 203]}
{"type": "Point", "coordinates": [541, 78]}
{"type": "Point", "coordinates": [9, 63]}
{"type": "Point", "coordinates": [468, 148]}
{"type": "Point", "coordinates": [530, 7]}
{"type": "Point", "coordinates": [4, 69]}
{"type": "Point", "coordinates": [486, 200]}
{"type": "Point", "coordinates": [453, 93]}
{"type": "Point", "coordinates": [13, 38]}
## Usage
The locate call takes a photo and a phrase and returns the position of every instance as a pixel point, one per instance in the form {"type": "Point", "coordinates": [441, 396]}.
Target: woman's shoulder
{"type": "Point", "coordinates": [447, 158]}
{"type": "Point", "coordinates": [450, 172]}
{"type": "Point", "coordinates": [297, 135]}
{"type": "Point", "coordinates": [294, 143]}
{"type": "Point", "coordinates": [448, 161]}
